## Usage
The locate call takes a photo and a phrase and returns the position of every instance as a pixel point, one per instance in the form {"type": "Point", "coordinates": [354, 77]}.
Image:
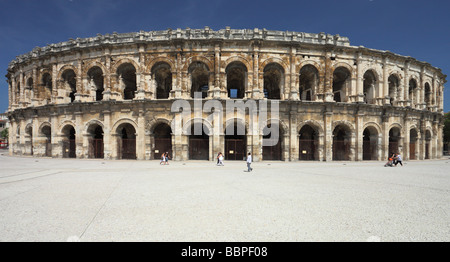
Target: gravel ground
{"type": "Point", "coordinates": [43, 199]}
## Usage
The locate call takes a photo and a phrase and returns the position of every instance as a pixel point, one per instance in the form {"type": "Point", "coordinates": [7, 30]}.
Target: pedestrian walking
{"type": "Point", "coordinates": [163, 159]}
{"type": "Point", "coordinates": [220, 159]}
{"type": "Point", "coordinates": [249, 162]}
{"type": "Point", "coordinates": [167, 158]}
{"type": "Point", "coordinates": [398, 159]}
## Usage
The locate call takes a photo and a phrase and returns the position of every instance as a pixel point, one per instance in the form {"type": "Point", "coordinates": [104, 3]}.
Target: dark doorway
{"type": "Point", "coordinates": [427, 144]}
{"type": "Point", "coordinates": [370, 137]}
{"type": "Point", "coordinates": [96, 146]}
{"type": "Point", "coordinates": [341, 143]}
{"type": "Point", "coordinates": [198, 145]}
{"type": "Point", "coordinates": [47, 133]}
{"type": "Point", "coordinates": [235, 143]}
{"type": "Point", "coordinates": [272, 152]}
{"type": "Point", "coordinates": [308, 142]}
{"type": "Point", "coordinates": [412, 144]}
{"type": "Point", "coordinates": [69, 145]}
{"type": "Point", "coordinates": [163, 140]}
{"type": "Point", "coordinates": [127, 142]}
{"type": "Point", "coordinates": [394, 139]}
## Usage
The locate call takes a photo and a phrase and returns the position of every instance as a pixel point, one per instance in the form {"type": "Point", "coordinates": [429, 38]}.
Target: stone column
{"type": "Point", "coordinates": [294, 93]}
{"type": "Point", "coordinates": [79, 136]}
{"type": "Point", "coordinates": [257, 92]}
{"type": "Point", "coordinates": [293, 142]}
{"type": "Point", "coordinates": [107, 76]}
{"type": "Point", "coordinates": [107, 138]}
{"type": "Point", "coordinates": [359, 135]}
{"type": "Point", "coordinates": [54, 83]}
{"type": "Point", "coordinates": [217, 91]}
{"type": "Point", "coordinates": [407, 99]}
{"type": "Point", "coordinates": [80, 94]}
{"type": "Point", "coordinates": [385, 143]}
{"type": "Point", "coordinates": [328, 79]}
{"type": "Point", "coordinates": [140, 139]}
{"type": "Point", "coordinates": [140, 77]}
{"type": "Point", "coordinates": [22, 90]}
{"type": "Point", "coordinates": [10, 94]}
{"type": "Point", "coordinates": [385, 93]}
{"type": "Point", "coordinates": [407, 127]}
{"type": "Point", "coordinates": [56, 147]}
{"type": "Point", "coordinates": [36, 139]}
{"type": "Point", "coordinates": [359, 79]}
{"type": "Point", "coordinates": [328, 145]}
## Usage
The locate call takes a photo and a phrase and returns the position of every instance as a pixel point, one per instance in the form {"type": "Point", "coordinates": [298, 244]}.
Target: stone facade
{"type": "Point", "coordinates": [111, 97]}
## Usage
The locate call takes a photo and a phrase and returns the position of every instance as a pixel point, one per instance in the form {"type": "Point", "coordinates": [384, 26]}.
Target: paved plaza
{"type": "Point", "coordinates": [44, 199]}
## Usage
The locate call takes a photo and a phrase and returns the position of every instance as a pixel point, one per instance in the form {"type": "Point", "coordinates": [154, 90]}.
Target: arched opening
{"type": "Point", "coordinates": [235, 141]}
{"type": "Point", "coordinates": [236, 80]}
{"type": "Point", "coordinates": [96, 145]}
{"type": "Point", "coordinates": [412, 92]}
{"type": "Point", "coordinates": [163, 140]}
{"type": "Point", "coordinates": [70, 83]}
{"type": "Point", "coordinates": [341, 83]}
{"type": "Point", "coordinates": [394, 84]}
{"type": "Point", "coordinates": [428, 100]}
{"type": "Point", "coordinates": [126, 141]}
{"type": "Point", "coordinates": [29, 139]}
{"type": "Point", "coordinates": [46, 132]}
{"type": "Point", "coordinates": [199, 73]}
{"type": "Point", "coordinates": [308, 143]}
{"type": "Point", "coordinates": [341, 143]}
{"type": "Point", "coordinates": [28, 89]}
{"type": "Point", "coordinates": [370, 144]}
{"type": "Point", "coordinates": [309, 77]}
{"type": "Point", "coordinates": [162, 74]}
{"type": "Point", "coordinates": [17, 95]}
{"type": "Point", "coordinates": [95, 75]}
{"type": "Point", "coordinates": [127, 80]}
{"type": "Point", "coordinates": [413, 138]}
{"type": "Point", "coordinates": [273, 81]}
{"type": "Point", "coordinates": [198, 144]}
{"type": "Point", "coordinates": [394, 140]}
{"type": "Point", "coordinates": [68, 142]}
{"type": "Point", "coordinates": [274, 150]}
{"type": "Point", "coordinates": [428, 136]}
{"type": "Point", "coordinates": [47, 83]}
{"type": "Point", "coordinates": [370, 89]}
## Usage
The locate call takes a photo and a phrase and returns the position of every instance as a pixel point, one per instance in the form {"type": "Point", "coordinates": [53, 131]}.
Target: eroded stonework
{"type": "Point", "coordinates": [110, 97]}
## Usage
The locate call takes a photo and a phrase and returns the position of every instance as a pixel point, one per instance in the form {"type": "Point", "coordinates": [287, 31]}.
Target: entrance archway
{"type": "Point", "coordinates": [69, 146]}
{"type": "Point", "coordinates": [163, 140]}
{"type": "Point", "coordinates": [198, 144]}
{"type": "Point", "coordinates": [427, 144]}
{"type": "Point", "coordinates": [235, 142]}
{"type": "Point", "coordinates": [126, 141]}
{"type": "Point", "coordinates": [370, 144]}
{"type": "Point", "coordinates": [96, 145]}
{"type": "Point", "coordinates": [394, 140]}
{"type": "Point", "coordinates": [29, 139]}
{"type": "Point", "coordinates": [272, 152]}
{"type": "Point", "coordinates": [47, 134]}
{"type": "Point", "coordinates": [413, 138]}
{"type": "Point", "coordinates": [341, 143]}
{"type": "Point", "coordinates": [308, 143]}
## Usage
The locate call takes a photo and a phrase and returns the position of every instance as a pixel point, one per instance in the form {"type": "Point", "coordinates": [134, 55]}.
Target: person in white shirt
{"type": "Point", "coordinates": [398, 159]}
{"type": "Point", "coordinates": [249, 162]}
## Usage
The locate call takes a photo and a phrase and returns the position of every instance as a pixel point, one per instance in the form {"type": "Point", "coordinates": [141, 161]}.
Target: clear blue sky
{"type": "Point", "coordinates": [420, 29]}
